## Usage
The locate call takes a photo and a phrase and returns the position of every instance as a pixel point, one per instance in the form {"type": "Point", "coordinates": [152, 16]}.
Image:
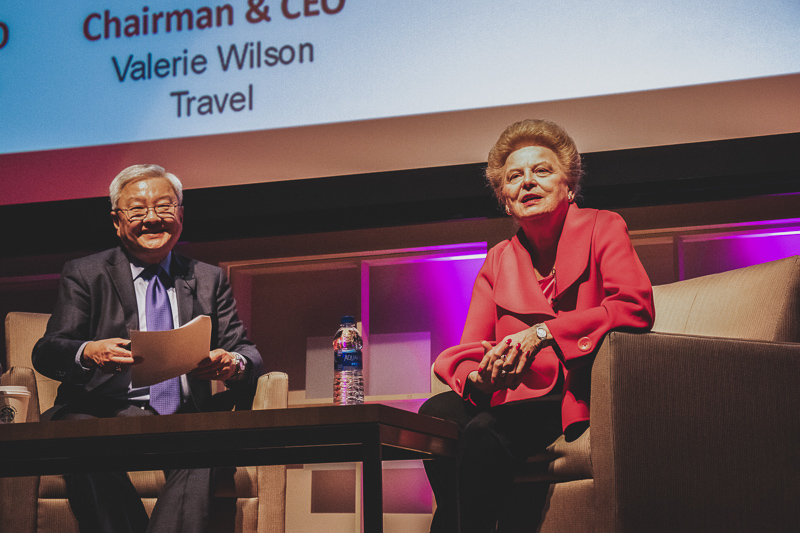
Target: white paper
{"type": "Point", "coordinates": [162, 355]}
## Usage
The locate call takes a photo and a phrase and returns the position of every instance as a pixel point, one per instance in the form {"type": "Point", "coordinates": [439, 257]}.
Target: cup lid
{"type": "Point", "coordinates": [14, 389]}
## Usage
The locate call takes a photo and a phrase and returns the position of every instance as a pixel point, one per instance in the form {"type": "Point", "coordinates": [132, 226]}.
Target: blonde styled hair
{"type": "Point", "coordinates": [140, 172]}
{"type": "Point", "coordinates": [534, 132]}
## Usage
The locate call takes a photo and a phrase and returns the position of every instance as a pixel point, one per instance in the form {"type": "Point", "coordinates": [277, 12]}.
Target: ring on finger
{"type": "Point", "coordinates": [503, 373]}
{"type": "Point", "coordinates": [118, 368]}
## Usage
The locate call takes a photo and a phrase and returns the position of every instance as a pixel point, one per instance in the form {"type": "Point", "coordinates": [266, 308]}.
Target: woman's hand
{"type": "Point", "coordinates": [505, 364]}
{"type": "Point", "coordinates": [481, 379]}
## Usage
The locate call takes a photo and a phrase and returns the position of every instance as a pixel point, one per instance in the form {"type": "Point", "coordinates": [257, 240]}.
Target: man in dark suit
{"type": "Point", "coordinates": [141, 285]}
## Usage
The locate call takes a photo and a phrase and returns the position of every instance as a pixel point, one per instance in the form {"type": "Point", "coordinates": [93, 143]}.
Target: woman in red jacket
{"type": "Point", "coordinates": [540, 307]}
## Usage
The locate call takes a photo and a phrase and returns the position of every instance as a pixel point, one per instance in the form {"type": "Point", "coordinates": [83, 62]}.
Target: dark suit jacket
{"type": "Point", "coordinates": [96, 301]}
{"type": "Point", "coordinates": [600, 285]}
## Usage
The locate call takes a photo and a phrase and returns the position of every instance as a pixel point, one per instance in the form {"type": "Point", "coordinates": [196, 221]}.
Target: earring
{"type": "Point", "coordinates": [569, 196]}
{"type": "Point", "coordinates": [508, 211]}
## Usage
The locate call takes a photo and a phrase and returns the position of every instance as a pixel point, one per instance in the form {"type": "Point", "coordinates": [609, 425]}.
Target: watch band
{"type": "Point", "coordinates": [238, 360]}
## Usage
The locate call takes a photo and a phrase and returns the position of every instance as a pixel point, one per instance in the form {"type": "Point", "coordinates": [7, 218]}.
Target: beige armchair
{"type": "Point", "coordinates": [251, 500]}
{"type": "Point", "coordinates": [695, 425]}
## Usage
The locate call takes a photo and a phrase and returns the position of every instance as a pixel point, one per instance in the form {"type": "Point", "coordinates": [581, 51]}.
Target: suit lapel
{"type": "Point", "coordinates": [185, 287]}
{"type": "Point", "coordinates": [516, 288]}
{"type": "Point", "coordinates": [574, 247]}
{"type": "Point", "coordinates": [119, 270]}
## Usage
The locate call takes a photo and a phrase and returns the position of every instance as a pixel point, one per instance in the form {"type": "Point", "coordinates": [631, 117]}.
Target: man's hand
{"type": "Point", "coordinates": [219, 365]}
{"type": "Point", "coordinates": [107, 354]}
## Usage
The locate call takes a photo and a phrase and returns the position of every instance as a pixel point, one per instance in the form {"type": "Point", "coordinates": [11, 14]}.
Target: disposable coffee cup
{"type": "Point", "coordinates": [14, 404]}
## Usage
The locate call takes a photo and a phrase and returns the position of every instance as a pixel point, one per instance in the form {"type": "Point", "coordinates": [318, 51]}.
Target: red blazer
{"type": "Point", "coordinates": [600, 285]}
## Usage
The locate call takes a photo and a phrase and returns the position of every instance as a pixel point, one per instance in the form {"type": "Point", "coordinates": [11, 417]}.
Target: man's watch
{"type": "Point", "coordinates": [239, 362]}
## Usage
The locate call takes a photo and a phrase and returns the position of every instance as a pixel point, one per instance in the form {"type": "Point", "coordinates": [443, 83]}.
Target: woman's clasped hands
{"type": "Point", "coordinates": [504, 365]}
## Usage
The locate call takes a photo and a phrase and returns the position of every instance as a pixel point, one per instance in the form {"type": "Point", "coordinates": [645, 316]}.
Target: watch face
{"type": "Point", "coordinates": [541, 333]}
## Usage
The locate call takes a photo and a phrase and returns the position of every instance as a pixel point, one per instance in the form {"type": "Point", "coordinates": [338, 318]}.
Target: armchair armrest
{"type": "Point", "coordinates": [437, 385]}
{"type": "Point", "coordinates": [272, 391]}
{"type": "Point", "coordinates": [695, 433]}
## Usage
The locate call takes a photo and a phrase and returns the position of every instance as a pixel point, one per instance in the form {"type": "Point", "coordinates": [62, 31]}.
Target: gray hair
{"type": "Point", "coordinates": [140, 172]}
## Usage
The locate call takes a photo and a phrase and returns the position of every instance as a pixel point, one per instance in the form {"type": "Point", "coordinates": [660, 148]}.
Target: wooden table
{"type": "Point", "coordinates": [368, 434]}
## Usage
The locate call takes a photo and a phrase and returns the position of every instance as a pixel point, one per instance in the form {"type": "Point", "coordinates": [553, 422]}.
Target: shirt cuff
{"type": "Point", "coordinates": [78, 358]}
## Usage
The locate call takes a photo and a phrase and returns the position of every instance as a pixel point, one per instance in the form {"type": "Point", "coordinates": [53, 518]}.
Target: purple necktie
{"type": "Point", "coordinates": [165, 397]}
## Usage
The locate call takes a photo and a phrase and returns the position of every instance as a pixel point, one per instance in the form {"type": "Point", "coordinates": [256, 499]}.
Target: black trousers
{"type": "Point", "coordinates": [494, 442]}
{"type": "Point", "coordinates": [106, 502]}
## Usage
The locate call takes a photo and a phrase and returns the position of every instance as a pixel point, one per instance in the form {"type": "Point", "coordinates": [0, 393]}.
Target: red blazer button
{"type": "Point", "coordinates": [584, 344]}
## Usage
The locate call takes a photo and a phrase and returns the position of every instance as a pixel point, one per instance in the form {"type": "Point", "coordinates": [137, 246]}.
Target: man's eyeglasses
{"type": "Point", "coordinates": [135, 214]}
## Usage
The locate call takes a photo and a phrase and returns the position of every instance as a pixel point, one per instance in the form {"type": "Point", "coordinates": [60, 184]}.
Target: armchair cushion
{"type": "Point", "coordinates": [760, 302]}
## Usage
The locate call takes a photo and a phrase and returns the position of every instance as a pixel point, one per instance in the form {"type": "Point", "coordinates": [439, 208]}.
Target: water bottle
{"type": "Point", "coordinates": [348, 381]}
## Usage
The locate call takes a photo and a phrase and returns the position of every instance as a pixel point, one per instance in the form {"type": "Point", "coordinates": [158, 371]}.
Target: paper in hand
{"type": "Point", "coordinates": [162, 355]}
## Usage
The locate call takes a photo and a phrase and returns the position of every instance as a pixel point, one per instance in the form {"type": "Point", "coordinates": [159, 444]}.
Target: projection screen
{"type": "Point", "coordinates": [249, 91]}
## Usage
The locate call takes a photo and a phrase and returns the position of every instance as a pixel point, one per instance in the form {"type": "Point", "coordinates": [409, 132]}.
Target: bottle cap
{"type": "Point", "coordinates": [348, 319]}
